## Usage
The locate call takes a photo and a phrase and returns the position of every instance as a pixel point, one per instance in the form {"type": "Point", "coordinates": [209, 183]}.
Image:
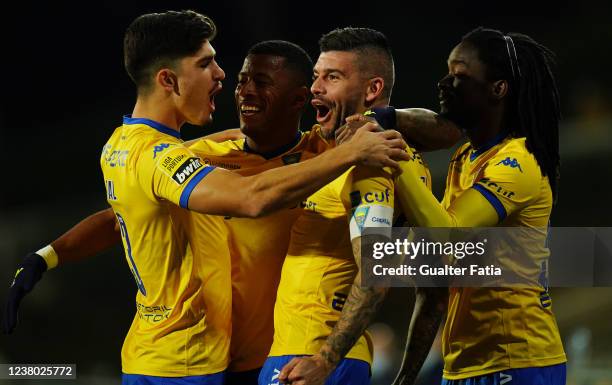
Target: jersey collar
{"type": "Point", "coordinates": [487, 146]}
{"type": "Point", "coordinates": [274, 153]}
{"type": "Point", "coordinates": [127, 119]}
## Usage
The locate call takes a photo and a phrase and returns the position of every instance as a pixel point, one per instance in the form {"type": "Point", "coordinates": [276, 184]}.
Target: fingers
{"type": "Point", "coordinates": [397, 143]}
{"type": "Point", "coordinates": [356, 118]}
{"type": "Point", "coordinates": [398, 154]}
{"type": "Point", "coordinates": [371, 126]}
{"type": "Point", "coordinates": [391, 134]}
{"type": "Point", "coordinates": [283, 377]}
{"type": "Point", "coordinates": [395, 167]}
{"type": "Point", "coordinates": [9, 318]}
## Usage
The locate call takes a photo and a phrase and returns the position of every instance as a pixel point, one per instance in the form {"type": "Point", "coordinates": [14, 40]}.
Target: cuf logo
{"type": "Point", "coordinates": [513, 163]}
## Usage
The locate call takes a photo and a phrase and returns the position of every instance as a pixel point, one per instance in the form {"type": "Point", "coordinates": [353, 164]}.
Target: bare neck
{"type": "Point", "coordinates": [277, 137]}
{"type": "Point", "coordinates": [159, 110]}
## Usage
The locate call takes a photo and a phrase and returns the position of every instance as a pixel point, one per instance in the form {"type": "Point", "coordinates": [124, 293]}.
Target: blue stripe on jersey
{"type": "Point", "coordinates": [487, 146]}
{"type": "Point", "coordinates": [495, 202]}
{"type": "Point", "coordinates": [127, 119]}
{"type": "Point", "coordinates": [191, 185]}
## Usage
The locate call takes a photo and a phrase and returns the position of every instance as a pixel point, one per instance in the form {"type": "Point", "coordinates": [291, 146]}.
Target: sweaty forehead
{"type": "Point", "coordinates": [464, 54]}
{"type": "Point", "coordinates": [343, 61]}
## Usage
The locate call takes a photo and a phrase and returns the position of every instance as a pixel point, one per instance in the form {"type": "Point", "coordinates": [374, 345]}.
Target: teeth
{"type": "Point", "coordinates": [244, 108]}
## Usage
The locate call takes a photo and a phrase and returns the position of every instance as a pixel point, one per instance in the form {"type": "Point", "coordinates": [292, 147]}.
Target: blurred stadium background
{"type": "Point", "coordinates": [65, 90]}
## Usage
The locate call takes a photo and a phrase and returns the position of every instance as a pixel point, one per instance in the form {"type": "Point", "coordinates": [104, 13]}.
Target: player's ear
{"type": "Point", "coordinates": [499, 89]}
{"type": "Point", "coordinates": [375, 89]}
{"type": "Point", "coordinates": [168, 80]}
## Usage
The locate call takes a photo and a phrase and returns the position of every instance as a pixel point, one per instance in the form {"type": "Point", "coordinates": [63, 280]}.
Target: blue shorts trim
{"type": "Point", "coordinates": [139, 379]}
{"type": "Point", "coordinates": [348, 372]}
{"type": "Point", "coordinates": [546, 375]}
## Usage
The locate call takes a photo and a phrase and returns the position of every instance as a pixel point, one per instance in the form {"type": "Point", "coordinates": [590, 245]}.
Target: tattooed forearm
{"type": "Point", "coordinates": [359, 309]}
{"type": "Point", "coordinates": [429, 309]}
{"type": "Point", "coordinates": [357, 313]}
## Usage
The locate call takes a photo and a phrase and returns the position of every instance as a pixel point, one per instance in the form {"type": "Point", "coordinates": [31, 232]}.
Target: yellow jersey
{"type": "Point", "coordinates": [183, 303]}
{"type": "Point", "coordinates": [494, 329]}
{"type": "Point", "coordinates": [257, 246]}
{"type": "Point", "coordinates": [320, 268]}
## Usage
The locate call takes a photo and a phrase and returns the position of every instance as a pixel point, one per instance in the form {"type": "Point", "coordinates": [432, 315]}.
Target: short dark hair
{"type": "Point", "coordinates": [534, 103]}
{"type": "Point", "coordinates": [155, 40]}
{"type": "Point", "coordinates": [372, 47]}
{"type": "Point", "coordinates": [295, 57]}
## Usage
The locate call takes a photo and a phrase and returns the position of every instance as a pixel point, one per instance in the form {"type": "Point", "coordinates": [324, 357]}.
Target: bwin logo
{"type": "Point", "coordinates": [186, 170]}
{"type": "Point", "coordinates": [160, 148]}
{"type": "Point", "coordinates": [513, 163]}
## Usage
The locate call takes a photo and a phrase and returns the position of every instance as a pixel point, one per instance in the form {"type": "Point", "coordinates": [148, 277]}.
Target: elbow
{"type": "Point", "coordinates": [257, 203]}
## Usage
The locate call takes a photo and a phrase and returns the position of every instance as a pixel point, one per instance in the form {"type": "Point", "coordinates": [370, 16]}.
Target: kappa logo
{"type": "Point", "coordinates": [513, 163]}
{"type": "Point", "coordinates": [187, 169]}
{"type": "Point", "coordinates": [161, 147]}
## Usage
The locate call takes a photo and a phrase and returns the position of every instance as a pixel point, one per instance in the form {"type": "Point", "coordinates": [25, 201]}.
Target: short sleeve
{"type": "Point", "coordinates": [370, 199]}
{"type": "Point", "coordinates": [509, 181]}
{"type": "Point", "coordinates": [172, 172]}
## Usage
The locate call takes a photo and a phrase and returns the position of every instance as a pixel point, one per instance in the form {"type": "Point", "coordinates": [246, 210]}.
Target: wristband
{"type": "Point", "coordinates": [49, 255]}
{"type": "Point", "coordinates": [385, 116]}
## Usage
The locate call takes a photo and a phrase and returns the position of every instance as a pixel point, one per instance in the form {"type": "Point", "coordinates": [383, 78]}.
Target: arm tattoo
{"type": "Point", "coordinates": [359, 310]}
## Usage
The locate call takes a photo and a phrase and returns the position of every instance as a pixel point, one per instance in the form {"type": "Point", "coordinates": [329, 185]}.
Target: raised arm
{"type": "Point", "coordinates": [226, 193]}
{"type": "Point", "coordinates": [221, 136]}
{"type": "Point", "coordinates": [425, 130]}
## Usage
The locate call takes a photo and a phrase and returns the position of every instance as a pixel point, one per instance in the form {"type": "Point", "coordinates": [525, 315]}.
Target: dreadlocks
{"type": "Point", "coordinates": [534, 108]}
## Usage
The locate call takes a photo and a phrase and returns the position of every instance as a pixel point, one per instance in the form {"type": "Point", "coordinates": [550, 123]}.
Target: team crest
{"type": "Point", "coordinates": [360, 215]}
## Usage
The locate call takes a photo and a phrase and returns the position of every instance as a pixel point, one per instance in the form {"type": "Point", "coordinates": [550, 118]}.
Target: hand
{"type": "Point", "coordinates": [373, 148]}
{"type": "Point", "coordinates": [353, 122]}
{"type": "Point", "coordinates": [312, 370]}
{"type": "Point", "coordinates": [28, 273]}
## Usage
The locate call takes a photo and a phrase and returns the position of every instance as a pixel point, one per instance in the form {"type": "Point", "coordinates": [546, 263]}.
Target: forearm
{"type": "Point", "coordinates": [221, 136]}
{"type": "Point", "coordinates": [429, 310]}
{"type": "Point", "coordinates": [357, 314]}
{"type": "Point", "coordinates": [92, 235]}
{"type": "Point", "coordinates": [419, 205]}
{"type": "Point", "coordinates": [285, 186]}
{"type": "Point", "coordinates": [426, 130]}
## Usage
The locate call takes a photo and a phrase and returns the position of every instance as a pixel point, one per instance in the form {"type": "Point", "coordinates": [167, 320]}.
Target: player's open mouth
{"type": "Point", "coordinates": [211, 96]}
{"type": "Point", "coordinates": [248, 109]}
{"type": "Point", "coordinates": [323, 110]}
{"type": "Point", "coordinates": [444, 97]}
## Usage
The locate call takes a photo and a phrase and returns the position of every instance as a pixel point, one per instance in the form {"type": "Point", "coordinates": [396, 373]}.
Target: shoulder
{"type": "Point", "coordinates": [514, 157]}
